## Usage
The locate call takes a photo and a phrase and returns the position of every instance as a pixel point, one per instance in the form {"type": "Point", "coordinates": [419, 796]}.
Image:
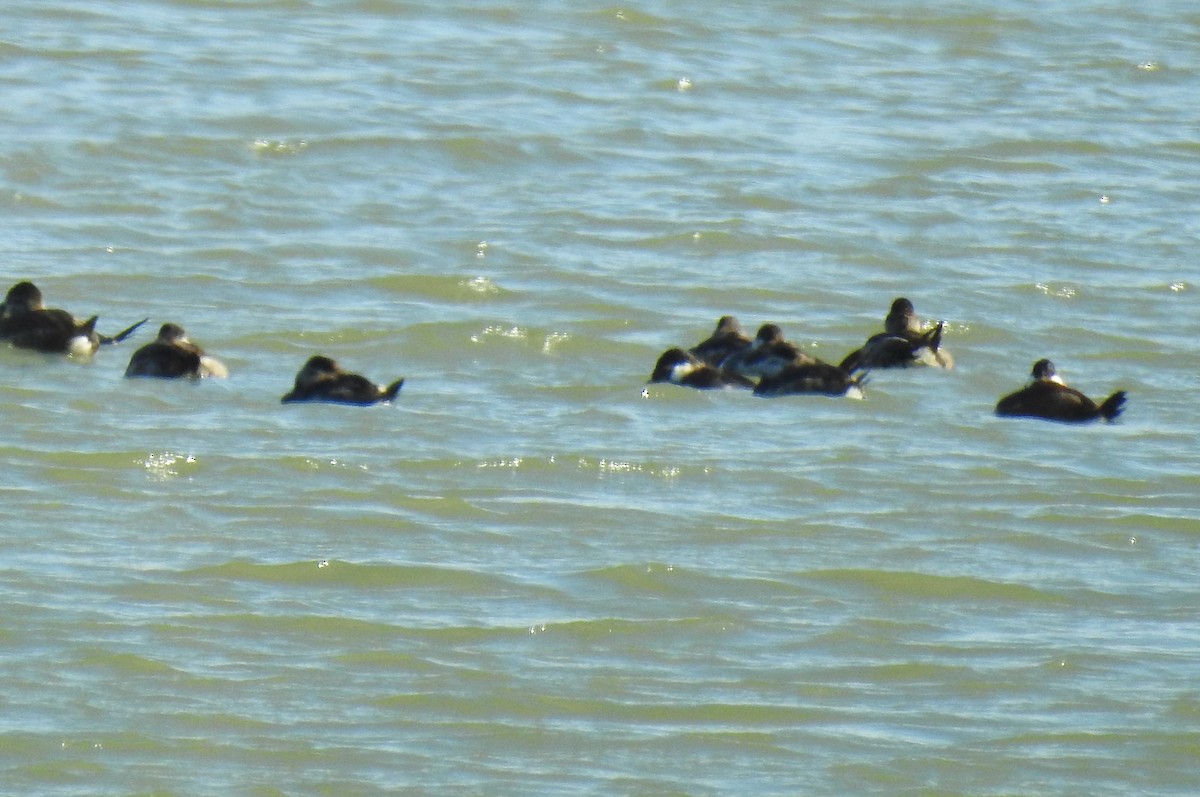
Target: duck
{"type": "Point", "coordinates": [323, 379]}
{"type": "Point", "coordinates": [902, 344]}
{"type": "Point", "coordinates": [819, 378]}
{"type": "Point", "coordinates": [679, 367]}
{"type": "Point", "coordinates": [767, 355]}
{"type": "Point", "coordinates": [1047, 396]}
{"type": "Point", "coordinates": [726, 340]}
{"type": "Point", "coordinates": [172, 355]}
{"type": "Point", "coordinates": [27, 323]}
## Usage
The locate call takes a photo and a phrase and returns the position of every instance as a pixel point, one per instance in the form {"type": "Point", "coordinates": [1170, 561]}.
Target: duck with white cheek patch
{"type": "Point", "coordinates": [1049, 398]}
{"type": "Point", "coordinates": [26, 323]}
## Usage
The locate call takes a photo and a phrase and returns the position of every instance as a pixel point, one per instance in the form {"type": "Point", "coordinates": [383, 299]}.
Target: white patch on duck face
{"type": "Point", "coordinates": [855, 392]}
{"type": "Point", "coordinates": [213, 368]}
{"type": "Point", "coordinates": [1058, 380]}
{"type": "Point", "coordinates": [680, 371]}
{"type": "Point", "coordinates": [926, 356]}
{"type": "Point", "coordinates": [80, 346]}
{"type": "Point", "coordinates": [939, 358]}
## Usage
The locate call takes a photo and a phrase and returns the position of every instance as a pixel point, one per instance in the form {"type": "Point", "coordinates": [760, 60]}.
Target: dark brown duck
{"type": "Point", "coordinates": [26, 323]}
{"type": "Point", "coordinates": [322, 379]}
{"type": "Point", "coordinates": [1048, 397]}
{"type": "Point", "coordinates": [173, 356]}
{"type": "Point", "coordinates": [902, 343]}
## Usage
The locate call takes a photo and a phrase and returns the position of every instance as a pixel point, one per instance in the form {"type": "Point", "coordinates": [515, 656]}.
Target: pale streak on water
{"type": "Point", "coordinates": [538, 581]}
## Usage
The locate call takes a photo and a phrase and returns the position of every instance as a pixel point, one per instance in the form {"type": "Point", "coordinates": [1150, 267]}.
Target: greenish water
{"type": "Point", "coordinates": [527, 576]}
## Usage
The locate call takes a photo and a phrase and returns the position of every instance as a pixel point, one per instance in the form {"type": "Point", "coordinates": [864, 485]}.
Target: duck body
{"type": "Point", "coordinates": [725, 341]}
{"type": "Point", "coordinates": [322, 379]}
{"type": "Point", "coordinates": [888, 350]}
{"type": "Point", "coordinates": [767, 355]}
{"type": "Point", "coordinates": [173, 356]}
{"type": "Point", "coordinates": [811, 378]}
{"type": "Point", "coordinates": [679, 367]}
{"type": "Point", "coordinates": [50, 332]}
{"type": "Point", "coordinates": [1049, 398]}
{"type": "Point", "coordinates": [902, 344]}
{"type": "Point", "coordinates": [26, 323]}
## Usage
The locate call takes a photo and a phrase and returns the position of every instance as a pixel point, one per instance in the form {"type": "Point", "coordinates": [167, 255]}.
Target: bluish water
{"type": "Point", "coordinates": [527, 576]}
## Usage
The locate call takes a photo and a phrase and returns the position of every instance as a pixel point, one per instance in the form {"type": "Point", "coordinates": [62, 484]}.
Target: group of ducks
{"type": "Point", "coordinates": [26, 323]}
{"type": "Point", "coordinates": [729, 359]}
{"type": "Point", "coordinates": [768, 364]}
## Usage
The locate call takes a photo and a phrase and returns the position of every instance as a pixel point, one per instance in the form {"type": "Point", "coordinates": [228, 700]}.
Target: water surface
{"type": "Point", "coordinates": [528, 576]}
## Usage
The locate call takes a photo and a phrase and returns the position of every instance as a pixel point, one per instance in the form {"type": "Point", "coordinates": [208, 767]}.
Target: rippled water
{"type": "Point", "coordinates": [527, 576]}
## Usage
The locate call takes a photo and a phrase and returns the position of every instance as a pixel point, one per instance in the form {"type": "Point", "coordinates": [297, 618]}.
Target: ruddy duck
{"type": "Point", "coordinates": [903, 343]}
{"type": "Point", "coordinates": [173, 355]}
{"type": "Point", "coordinates": [322, 379]}
{"type": "Point", "coordinates": [679, 367]}
{"type": "Point", "coordinates": [817, 378]}
{"type": "Point", "coordinates": [726, 340]}
{"type": "Point", "coordinates": [27, 323]}
{"type": "Point", "coordinates": [767, 355]}
{"type": "Point", "coordinates": [1048, 396]}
